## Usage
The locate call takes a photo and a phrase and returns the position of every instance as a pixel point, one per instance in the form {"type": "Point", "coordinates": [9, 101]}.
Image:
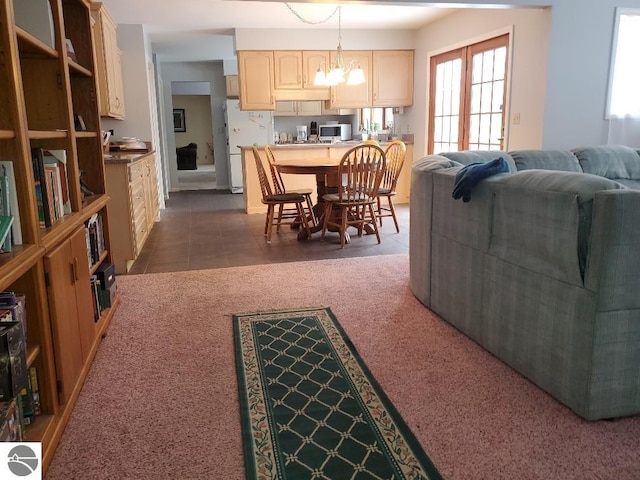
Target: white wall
{"type": "Point", "coordinates": [137, 122]}
{"type": "Point", "coordinates": [301, 39]}
{"type": "Point", "coordinates": [211, 72]}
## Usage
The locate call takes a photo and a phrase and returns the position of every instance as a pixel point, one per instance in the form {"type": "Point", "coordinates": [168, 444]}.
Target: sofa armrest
{"type": "Point", "coordinates": [613, 263]}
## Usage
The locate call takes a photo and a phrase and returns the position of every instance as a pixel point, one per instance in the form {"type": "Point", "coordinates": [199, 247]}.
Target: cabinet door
{"type": "Point", "coordinates": [309, 108]}
{"type": "Point", "coordinates": [71, 309]}
{"type": "Point", "coordinates": [233, 86]}
{"type": "Point", "coordinates": [285, 109]}
{"type": "Point", "coordinates": [151, 191]}
{"type": "Point", "coordinates": [392, 78]}
{"type": "Point", "coordinates": [312, 60]}
{"type": "Point", "coordinates": [288, 69]}
{"type": "Point", "coordinates": [256, 80]}
{"type": "Point", "coordinates": [353, 96]}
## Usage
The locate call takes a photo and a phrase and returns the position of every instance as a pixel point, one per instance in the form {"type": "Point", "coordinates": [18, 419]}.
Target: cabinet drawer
{"type": "Point", "coordinates": [136, 171]}
{"type": "Point", "coordinates": [140, 233]}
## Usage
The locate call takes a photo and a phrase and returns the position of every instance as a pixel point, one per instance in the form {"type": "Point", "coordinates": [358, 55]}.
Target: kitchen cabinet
{"type": "Point", "coordinates": [293, 109]}
{"type": "Point", "coordinates": [392, 78]}
{"type": "Point", "coordinates": [287, 69]}
{"type": "Point", "coordinates": [353, 96]}
{"type": "Point", "coordinates": [255, 68]}
{"type": "Point", "coordinates": [294, 74]}
{"type": "Point", "coordinates": [232, 85]}
{"type": "Point", "coordinates": [42, 87]}
{"type": "Point", "coordinates": [132, 184]}
{"type": "Point", "coordinates": [108, 63]}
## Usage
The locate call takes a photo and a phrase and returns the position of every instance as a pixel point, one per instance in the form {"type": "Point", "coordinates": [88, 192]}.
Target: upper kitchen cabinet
{"type": "Point", "coordinates": [232, 85]}
{"type": "Point", "coordinates": [108, 63]}
{"type": "Point", "coordinates": [288, 69]}
{"type": "Point", "coordinates": [392, 78]}
{"type": "Point", "coordinates": [353, 96]}
{"type": "Point", "coordinates": [255, 69]}
{"type": "Point", "coordinates": [295, 72]}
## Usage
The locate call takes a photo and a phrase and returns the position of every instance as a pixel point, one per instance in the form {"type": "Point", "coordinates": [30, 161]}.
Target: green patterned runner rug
{"type": "Point", "coordinates": [310, 407]}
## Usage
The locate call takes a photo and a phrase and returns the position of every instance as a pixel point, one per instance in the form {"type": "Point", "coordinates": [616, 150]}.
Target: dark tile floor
{"type": "Point", "coordinates": [208, 229]}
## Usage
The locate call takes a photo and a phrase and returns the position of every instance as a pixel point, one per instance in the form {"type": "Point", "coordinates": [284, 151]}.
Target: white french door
{"type": "Point", "coordinates": [467, 97]}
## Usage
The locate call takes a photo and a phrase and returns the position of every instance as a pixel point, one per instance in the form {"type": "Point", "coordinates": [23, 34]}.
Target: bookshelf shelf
{"type": "Point", "coordinates": [95, 266]}
{"type": "Point", "coordinates": [29, 44]}
{"type": "Point", "coordinates": [86, 134]}
{"type": "Point", "coordinates": [42, 92]}
{"type": "Point", "coordinates": [76, 68]}
{"type": "Point", "coordinates": [37, 431]}
{"type": "Point", "coordinates": [47, 134]}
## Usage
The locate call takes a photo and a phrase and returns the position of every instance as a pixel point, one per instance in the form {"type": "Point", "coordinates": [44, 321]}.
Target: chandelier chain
{"type": "Point", "coordinates": [337, 10]}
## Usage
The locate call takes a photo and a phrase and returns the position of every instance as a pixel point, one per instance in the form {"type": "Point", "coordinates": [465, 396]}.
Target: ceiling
{"type": "Point", "coordinates": [184, 23]}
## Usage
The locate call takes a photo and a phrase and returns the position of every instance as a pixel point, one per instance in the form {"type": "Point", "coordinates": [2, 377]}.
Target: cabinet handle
{"type": "Point", "coordinates": [74, 269]}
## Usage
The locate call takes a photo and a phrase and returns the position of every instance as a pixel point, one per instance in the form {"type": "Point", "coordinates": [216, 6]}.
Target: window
{"type": "Point", "coordinates": [624, 94]}
{"type": "Point", "coordinates": [467, 97]}
{"type": "Point", "coordinates": [382, 117]}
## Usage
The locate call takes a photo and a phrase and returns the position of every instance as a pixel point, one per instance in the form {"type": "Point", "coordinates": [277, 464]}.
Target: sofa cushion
{"type": "Point", "coordinates": [479, 156]}
{"type": "Point", "coordinates": [542, 221]}
{"type": "Point", "coordinates": [546, 160]}
{"type": "Point", "coordinates": [610, 161]}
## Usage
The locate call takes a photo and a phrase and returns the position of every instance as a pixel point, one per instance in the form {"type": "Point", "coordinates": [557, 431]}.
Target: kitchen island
{"type": "Point", "coordinates": [296, 151]}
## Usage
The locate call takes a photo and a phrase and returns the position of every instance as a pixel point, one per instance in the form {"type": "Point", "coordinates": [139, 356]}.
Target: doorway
{"type": "Point", "coordinates": [194, 139]}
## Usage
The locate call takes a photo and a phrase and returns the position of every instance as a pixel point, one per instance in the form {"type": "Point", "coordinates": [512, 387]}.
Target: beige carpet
{"type": "Point", "coordinates": [161, 399]}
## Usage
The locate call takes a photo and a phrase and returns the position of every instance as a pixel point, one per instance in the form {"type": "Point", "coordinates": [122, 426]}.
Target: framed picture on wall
{"type": "Point", "coordinates": [178, 120]}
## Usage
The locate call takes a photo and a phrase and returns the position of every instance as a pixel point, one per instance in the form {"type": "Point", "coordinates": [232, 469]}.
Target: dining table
{"type": "Point", "coordinates": [326, 172]}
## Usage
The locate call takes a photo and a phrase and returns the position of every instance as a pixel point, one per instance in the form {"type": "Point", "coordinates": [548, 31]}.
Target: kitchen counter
{"type": "Point", "coordinates": [126, 157]}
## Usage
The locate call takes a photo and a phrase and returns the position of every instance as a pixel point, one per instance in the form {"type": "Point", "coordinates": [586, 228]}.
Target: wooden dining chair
{"type": "Point", "coordinates": [272, 199]}
{"type": "Point", "coordinates": [279, 188]}
{"type": "Point", "coordinates": [394, 155]}
{"type": "Point", "coordinates": [359, 173]}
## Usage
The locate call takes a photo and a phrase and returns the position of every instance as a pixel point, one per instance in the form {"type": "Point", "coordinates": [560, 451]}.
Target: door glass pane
{"type": "Point", "coordinates": [476, 75]}
{"type": "Point", "coordinates": [487, 66]}
{"type": "Point", "coordinates": [475, 98]}
{"type": "Point", "coordinates": [485, 102]}
{"type": "Point", "coordinates": [498, 96]}
{"type": "Point", "coordinates": [474, 128]}
{"type": "Point", "coordinates": [500, 63]}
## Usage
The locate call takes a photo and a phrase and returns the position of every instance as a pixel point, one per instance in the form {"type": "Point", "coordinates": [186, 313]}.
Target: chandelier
{"type": "Point", "coordinates": [340, 71]}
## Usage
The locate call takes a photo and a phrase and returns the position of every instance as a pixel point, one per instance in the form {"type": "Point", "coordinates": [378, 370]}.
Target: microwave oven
{"type": "Point", "coordinates": [334, 132]}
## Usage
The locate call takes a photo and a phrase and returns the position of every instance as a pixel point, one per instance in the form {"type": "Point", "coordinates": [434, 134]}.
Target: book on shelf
{"type": "Point", "coordinates": [95, 238]}
{"type": "Point", "coordinates": [6, 168]}
{"type": "Point", "coordinates": [5, 212]}
{"type": "Point", "coordinates": [59, 158]}
{"type": "Point", "coordinates": [35, 390]}
{"type": "Point", "coordinates": [42, 197]}
{"type": "Point", "coordinates": [5, 232]}
{"type": "Point", "coordinates": [13, 360]}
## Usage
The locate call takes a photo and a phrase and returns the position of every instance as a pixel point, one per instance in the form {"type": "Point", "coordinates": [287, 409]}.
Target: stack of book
{"type": "Point", "coordinates": [52, 185]}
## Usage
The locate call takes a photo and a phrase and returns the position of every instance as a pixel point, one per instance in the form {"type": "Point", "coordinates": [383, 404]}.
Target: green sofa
{"type": "Point", "coordinates": [541, 267]}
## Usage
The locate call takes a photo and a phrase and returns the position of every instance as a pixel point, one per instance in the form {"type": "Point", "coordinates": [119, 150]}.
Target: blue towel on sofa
{"type": "Point", "coordinates": [471, 174]}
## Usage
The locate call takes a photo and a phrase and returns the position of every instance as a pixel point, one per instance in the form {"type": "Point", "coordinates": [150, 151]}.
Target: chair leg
{"type": "Point", "coordinates": [303, 216]}
{"type": "Point", "coordinates": [343, 226]}
{"type": "Point", "coordinates": [266, 220]}
{"type": "Point", "coordinates": [270, 213]}
{"type": "Point", "coordinates": [374, 223]}
{"type": "Point", "coordinates": [393, 214]}
{"type": "Point", "coordinates": [280, 208]}
{"type": "Point", "coordinates": [327, 214]}
{"type": "Point", "coordinates": [379, 211]}
{"type": "Point", "coordinates": [312, 214]}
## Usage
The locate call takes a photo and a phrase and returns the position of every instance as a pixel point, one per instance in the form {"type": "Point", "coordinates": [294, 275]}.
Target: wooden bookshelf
{"type": "Point", "coordinates": [41, 92]}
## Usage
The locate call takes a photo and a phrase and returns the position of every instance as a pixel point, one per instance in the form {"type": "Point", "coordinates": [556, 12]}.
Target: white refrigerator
{"type": "Point", "coordinates": [244, 128]}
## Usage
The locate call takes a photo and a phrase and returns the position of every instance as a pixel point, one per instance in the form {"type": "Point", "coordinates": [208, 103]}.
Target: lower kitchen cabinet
{"type": "Point", "coordinates": [133, 187]}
